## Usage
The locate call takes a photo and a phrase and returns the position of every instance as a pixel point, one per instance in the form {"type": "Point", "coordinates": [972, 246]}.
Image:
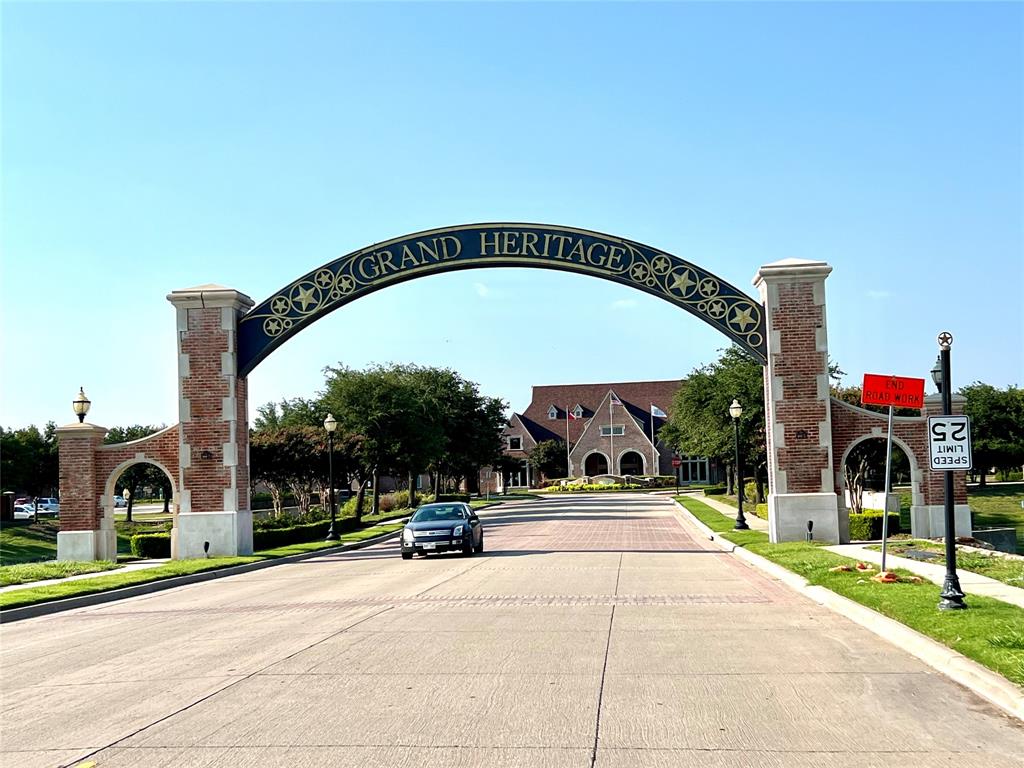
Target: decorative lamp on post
{"type": "Point", "coordinates": [736, 410]}
{"type": "Point", "coordinates": [330, 424]}
{"type": "Point", "coordinates": [81, 405]}
{"type": "Point", "coordinates": [952, 595]}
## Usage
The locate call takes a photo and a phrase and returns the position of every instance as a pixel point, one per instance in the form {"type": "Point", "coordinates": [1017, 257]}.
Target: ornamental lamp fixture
{"type": "Point", "coordinates": [937, 372]}
{"type": "Point", "coordinates": [330, 423]}
{"type": "Point", "coordinates": [735, 410]}
{"type": "Point", "coordinates": [81, 405]}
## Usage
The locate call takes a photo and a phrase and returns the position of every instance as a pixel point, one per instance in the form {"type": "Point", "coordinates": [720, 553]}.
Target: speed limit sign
{"type": "Point", "coordinates": [949, 443]}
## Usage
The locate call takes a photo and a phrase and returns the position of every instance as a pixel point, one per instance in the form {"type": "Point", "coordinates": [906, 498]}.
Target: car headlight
{"type": "Point", "coordinates": [407, 536]}
{"type": "Point", "coordinates": [458, 531]}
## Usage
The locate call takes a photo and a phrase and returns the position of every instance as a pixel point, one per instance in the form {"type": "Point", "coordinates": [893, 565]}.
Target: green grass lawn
{"type": "Point", "coordinates": [1004, 569]}
{"type": "Point", "coordinates": [994, 506]}
{"type": "Point", "coordinates": [23, 573]}
{"type": "Point", "coordinates": [32, 595]}
{"type": "Point", "coordinates": [990, 632]}
{"type": "Point", "coordinates": [24, 541]}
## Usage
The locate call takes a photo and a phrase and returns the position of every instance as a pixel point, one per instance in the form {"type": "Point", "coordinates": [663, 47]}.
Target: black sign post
{"type": "Point", "coordinates": [952, 595]}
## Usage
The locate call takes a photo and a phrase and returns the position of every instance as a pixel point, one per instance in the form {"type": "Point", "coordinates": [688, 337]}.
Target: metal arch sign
{"type": "Point", "coordinates": [357, 274]}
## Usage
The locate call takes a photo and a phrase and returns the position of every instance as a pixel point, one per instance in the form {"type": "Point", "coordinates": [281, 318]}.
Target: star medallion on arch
{"type": "Point", "coordinates": [272, 326]}
{"type": "Point", "coordinates": [717, 309]}
{"type": "Point", "coordinates": [639, 272]}
{"type": "Point", "coordinates": [304, 296]}
{"type": "Point", "coordinates": [661, 265]}
{"type": "Point", "coordinates": [708, 287]}
{"type": "Point", "coordinates": [742, 317]}
{"type": "Point", "coordinates": [682, 282]}
{"type": "Point", "coordinates": [325, 278]}
{"type": "Point", "coordinates": [346, 284]}
{"type": "Point", "coordinates": [280, 305]}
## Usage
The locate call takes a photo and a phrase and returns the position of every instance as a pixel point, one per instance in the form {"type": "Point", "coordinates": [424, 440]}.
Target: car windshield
{"type": "Point", "coordinates": [430, 514]}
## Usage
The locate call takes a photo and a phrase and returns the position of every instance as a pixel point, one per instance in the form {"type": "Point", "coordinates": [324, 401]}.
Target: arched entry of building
{"type": "Point", "coordinates": [222, 337]}
{"type": "Point", "coordinates": [595, 463]}
{"type": "Point", "coordinates": [631, 463]}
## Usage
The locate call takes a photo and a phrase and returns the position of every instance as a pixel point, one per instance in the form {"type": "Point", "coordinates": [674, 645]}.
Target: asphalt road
{"type": "Point", "coordinates": [593, 631]}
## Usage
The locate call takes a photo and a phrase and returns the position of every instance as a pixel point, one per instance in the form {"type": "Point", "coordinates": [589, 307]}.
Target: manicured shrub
{"type": "Point", "coordinates": [761, 510]}
{"type": "Point", "coordinates": [151, 545]}
{"type": "Point", "coordinates": [749, 490]}
{"type": "Point", "coordinates": [715, 490]}
{"type": "Point", "coordinates": [867, 526]}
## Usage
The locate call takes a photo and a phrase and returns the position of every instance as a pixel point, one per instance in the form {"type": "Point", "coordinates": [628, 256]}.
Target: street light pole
{"type": "Point", "coordinates": [736, 410]}
{"type": "Point", "coordinates": [952, 595]}
{"type": "Point", "coordinates": [330, 425]}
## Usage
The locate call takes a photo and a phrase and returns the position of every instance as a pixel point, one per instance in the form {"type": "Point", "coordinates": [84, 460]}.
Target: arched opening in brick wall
{"type": "Point", "coordinates": [110, 488]}
{"type": "Point", "coordinates": [867, 452]}
{"type": "Point", "coordinates": [631, 463]}
{"type": "Point", "coordinates": [595, 463]}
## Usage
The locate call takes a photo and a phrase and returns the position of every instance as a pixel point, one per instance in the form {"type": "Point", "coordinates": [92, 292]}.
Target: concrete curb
{"type": "Point", "coordinates": [987, 684]}
{"type": "Point", "coordinates": [8, 615]}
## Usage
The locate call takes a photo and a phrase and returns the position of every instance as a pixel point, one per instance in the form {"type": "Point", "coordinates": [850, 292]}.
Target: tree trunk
{"type": "Point", "coordinates": [167, 498]}
{"type": "Point", "coordinates": [360, 498]}
{"type": "Point", "coordinates": [412, 490]}
{"type": "Point", "coordinates": [437, 485]}
{"type": "Point", "coordinates": [729, 485]}
{"type": "Point", "coordinates": [131, 502]}
{"type": "Point", "coordinates": [759, 481]}
{"type": "Point", "coordinates": [981, 477]}
{"type": "Point", "coordinates": [375, 507]}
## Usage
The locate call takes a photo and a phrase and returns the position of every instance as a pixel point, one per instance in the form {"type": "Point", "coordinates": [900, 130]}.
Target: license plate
{"type": "Point", "coordinates": [429, 545]}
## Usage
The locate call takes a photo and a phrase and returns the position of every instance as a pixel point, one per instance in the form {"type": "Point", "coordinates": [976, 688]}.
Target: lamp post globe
{"type": "Point", "coordinates": [735, 411]}
{"type": "Point", "coordinates": [81, 405]}
{"type": "Point", "coordinates": [331, 424]}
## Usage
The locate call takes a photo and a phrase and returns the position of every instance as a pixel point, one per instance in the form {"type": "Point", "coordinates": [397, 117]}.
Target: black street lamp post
{"type": "Point", "coordinates": [736, 410]}
{"type": "Point", "coordinates": [952, 595]}
{"type": "Point", "coordinates": [330, 424]}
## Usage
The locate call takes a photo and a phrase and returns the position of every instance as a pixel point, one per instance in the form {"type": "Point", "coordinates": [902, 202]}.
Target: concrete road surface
{"type": "Point", "coordinates": [592, 631]}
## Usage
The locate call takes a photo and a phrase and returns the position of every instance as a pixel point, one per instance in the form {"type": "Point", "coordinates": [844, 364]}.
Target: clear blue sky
{"type": "Point", "coordinates": [149, 147]}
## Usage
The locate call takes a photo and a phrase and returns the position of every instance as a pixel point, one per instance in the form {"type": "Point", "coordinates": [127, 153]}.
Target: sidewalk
{"type": "Point", "coordinates": [755, 522]}
{"type": "Point", "coordinates": [972, 583]}
{"type": "Point", "coordinates": [138, 565]}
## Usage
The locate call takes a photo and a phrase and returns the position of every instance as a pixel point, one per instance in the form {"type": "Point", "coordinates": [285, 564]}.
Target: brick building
{"type": "Point", "coordinates": [611, 429]}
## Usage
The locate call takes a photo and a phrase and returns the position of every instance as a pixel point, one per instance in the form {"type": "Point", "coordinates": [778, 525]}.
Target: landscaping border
{"type": "Point", "coordinates": [8, 615]}
{"type": "Point", "coordinates": [991, 686]}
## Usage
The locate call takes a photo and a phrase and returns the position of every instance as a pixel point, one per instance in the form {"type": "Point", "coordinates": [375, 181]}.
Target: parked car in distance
{"type": "Point", "coordinates": [23, 512]}
{"type": "Point", "coordinates": [443, 527]}
{"type": "Point", "coordinates": [119, 501]}
{"type": "Point", "coordinates": [22, 500]}
{"type": "Point", "coordinates": [48, 505]}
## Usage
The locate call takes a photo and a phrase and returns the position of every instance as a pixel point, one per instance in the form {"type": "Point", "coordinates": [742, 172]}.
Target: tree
{"type": "Point", "coordinates": [138, 475]}
{"type": "Point", "coordinates": [700, 424]}
{"type": "Point", "coordinates": [548, 457]}
{"type": "Point", "coordinates": [997, 426]}
{"type": "Point", "coordinates": [28, 460]}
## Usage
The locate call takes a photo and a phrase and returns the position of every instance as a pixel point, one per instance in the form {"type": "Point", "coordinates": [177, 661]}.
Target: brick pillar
{"type": "Point", "coordinates": [83, 534]}
{"type": "Point", "coordinates": [797, 409]}
{"type": "Point", "coordinates": [213, 409]}
{"type": "Point", "coordinates": [928, 520]}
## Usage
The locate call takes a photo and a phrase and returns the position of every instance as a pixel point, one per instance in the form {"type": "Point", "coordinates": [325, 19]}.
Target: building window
{"type": "Point", "coordinates": [613, 430]}
{"type": "Point", "coordinates": [577, 411]}
{"type": "Point", "coordinates": [515, 443]}
{"type": "Point", "coordinates": [552, 413]}
{"type": "Point", "coordinates": [693, 470]}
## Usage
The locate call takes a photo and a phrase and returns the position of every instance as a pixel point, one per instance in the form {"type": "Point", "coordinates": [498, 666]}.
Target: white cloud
{"type": "Point", "coordinates": [876, 294]}
{"type": "Point", "coordinates": [482, 290]}
{"type": "Point", "coordinates": [623, 303]}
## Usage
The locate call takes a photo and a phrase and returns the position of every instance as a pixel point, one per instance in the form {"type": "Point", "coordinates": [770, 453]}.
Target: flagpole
{"type": "Point", "coordinates": [611, 440]}
{"type": "Point", "coordinates": [568, 464]}
{"type": "Point", "coordinates": [654, 448]}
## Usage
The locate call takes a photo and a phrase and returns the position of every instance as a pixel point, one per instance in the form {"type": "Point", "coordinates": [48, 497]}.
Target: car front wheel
{"type": "Point", "coordinates": [407, 555]}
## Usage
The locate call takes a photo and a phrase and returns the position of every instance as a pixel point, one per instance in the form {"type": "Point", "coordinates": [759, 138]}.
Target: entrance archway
{"type": "Point", "coordinates": [222, 337]}
{"type": "Point", "coordinates": [631, 463]}
{"type": "Point", "coordinates": [595, 463]}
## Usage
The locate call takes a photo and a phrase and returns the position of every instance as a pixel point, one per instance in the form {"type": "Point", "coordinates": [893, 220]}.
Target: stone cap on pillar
{"type": "Point", "coordinates": [788, 269]}
{"type": "Point", "coordinates": [210, 295]}
{"type": "Point", "coordinates": [77, 430]}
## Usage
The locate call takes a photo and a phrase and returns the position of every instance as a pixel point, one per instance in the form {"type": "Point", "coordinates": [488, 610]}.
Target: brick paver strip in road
{"type": "Point", "coordinates": [591, 632]}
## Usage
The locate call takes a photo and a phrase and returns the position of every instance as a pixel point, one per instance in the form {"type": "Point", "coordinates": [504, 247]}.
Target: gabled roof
{"type": "Point", "coordinates": [636, 397]}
